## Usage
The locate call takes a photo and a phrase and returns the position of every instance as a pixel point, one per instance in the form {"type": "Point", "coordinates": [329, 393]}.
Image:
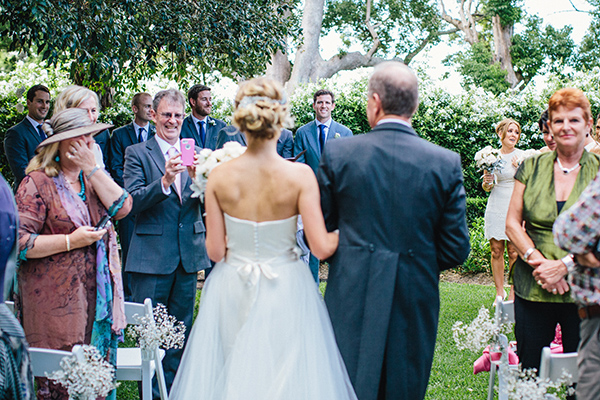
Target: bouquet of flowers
{"type": "Point", "coordinates": [526, 154]}
{"type": "Point", "coordinates": [208, 160]}
{"type": "Point", "coordinates": [488, 159]}
{"type": "Point", "coordinates": [478, 333]}
{"type": "Point", "coordinates": [86, 378]}
{"type": "Point", "coordinates": [162, 331]}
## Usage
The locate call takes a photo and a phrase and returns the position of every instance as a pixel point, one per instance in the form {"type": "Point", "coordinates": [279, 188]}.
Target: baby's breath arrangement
{"type": "Point", "coordinates": [526, 385]}
{"type": "Point", "coordinates": [85, 379]}
{"type": "Point", "coordinates": [479, 333]}
{"type": "Point", "coordinates": [163, 331]}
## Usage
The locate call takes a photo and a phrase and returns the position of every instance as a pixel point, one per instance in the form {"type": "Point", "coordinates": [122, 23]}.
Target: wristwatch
{"type": "Point", "coordinates": [568, 261]}
{"type": "Point", "coordinates": [528, 253]}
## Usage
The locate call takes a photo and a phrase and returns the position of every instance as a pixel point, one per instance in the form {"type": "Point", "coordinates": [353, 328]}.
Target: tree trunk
{"type": "Point", "coordinates": [502, 42]}
{"type": "Point", "coordinates": [279, 68]}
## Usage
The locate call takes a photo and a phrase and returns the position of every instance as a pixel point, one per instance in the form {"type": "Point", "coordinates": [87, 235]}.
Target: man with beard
{"type": "Point", "coordinates": [199, 125]}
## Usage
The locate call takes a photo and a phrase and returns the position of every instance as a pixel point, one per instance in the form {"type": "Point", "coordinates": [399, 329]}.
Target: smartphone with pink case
{"type": "Point", "coordinates": [187, 152]}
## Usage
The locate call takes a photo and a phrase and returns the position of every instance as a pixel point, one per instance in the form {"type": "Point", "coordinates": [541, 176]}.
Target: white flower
{"type": "Point", "coordinates": [163, 331]}
{"type": "Point", "coordinates": [488, 159]}
{"type": "Point", "coordinates": [87, 379]}
{"type": "Point", "coordinates": [336, 136]}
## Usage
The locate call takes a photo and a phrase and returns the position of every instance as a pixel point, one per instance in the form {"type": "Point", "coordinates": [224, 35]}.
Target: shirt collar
{"type": "Point", "coordinates": [394, 121]}
{"type": "Point", "coordinates": [137, 127]}
{"type": "Point", "coordinates": [196, 120]}
{"type": "Point", "coordinates": [326, 123]}
{"type": "Point", "coordinates": [165, 146]}
{"type": "Point", "coordinates": [32, 121]}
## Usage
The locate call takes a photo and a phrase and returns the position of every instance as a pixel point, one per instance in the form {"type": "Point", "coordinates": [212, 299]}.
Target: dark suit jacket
{"type": "Point", "coordinates": [20, 143]}
{"type": "Point", "coordinates": [285, 143]}
{"type": "Point", "coordinates": [307, 138]}
{"type": "Point", "coordinates": [121, 139]}
{"type": "Point", "coordinates": [103, 140]}
{"type": "Point", "coordinates": [188, 130]}
{"type": "Point", "coordinates": [399, 203]}
{"type": "Point", "coordinates": [166, 231]}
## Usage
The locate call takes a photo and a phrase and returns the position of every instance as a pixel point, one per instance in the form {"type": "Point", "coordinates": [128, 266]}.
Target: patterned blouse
{"type": "Point", "coordinates": [578, 231]}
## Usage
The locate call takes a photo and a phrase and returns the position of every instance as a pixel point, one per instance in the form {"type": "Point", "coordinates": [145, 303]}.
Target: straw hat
{"type": "Point", "coordinates": [68, 124]}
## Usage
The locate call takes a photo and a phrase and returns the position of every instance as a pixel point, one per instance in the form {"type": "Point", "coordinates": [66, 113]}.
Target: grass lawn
{"type": "Point", "coordinates": [452, 372]}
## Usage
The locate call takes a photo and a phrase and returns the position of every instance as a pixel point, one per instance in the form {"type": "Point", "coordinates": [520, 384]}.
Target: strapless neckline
{"type": "Point", "coordinates": [248, 221]}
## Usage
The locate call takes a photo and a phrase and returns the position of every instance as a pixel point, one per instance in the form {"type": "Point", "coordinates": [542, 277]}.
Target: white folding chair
{"type": "Point", "coordinates": [48, 360]}
{"type": "Point", "coordinates": [10, 305]}
{"type": "Point", "coordinates": [552, 365]}
{"type": "Point", "coordinates": [131, 366]}
{"type": "Point", "coordinates": [505, 313]}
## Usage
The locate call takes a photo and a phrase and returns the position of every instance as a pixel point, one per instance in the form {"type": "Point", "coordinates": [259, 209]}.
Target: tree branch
{"type": "Point", "coordinates": [372, 31]}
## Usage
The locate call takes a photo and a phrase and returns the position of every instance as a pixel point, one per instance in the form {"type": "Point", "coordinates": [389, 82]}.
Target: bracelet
{"type": "Point", "coordinates": [68, 243]}
{"type": "Point", "coordinates": [568, 261]}
{"type": "Point", "coordinates": [528, 253]}
{"type": "Point", "coordinates": [96, 168]}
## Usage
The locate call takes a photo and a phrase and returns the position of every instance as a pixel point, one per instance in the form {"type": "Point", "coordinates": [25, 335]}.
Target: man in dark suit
{"type": "Point", "coordinates": [199, 125]}
{"type": "Point", "coordinates": [399, 203]}
{"type": "Point", "coordinates": [167, 247]}
{"type": "Point", "coordinates": [285, 143]}
{"type": "Point", "coordinates": [137, 131]}
{"type": "Point", "coordinates": [313, 136]}
{"type": "Point", "coordinates": [22, 139]}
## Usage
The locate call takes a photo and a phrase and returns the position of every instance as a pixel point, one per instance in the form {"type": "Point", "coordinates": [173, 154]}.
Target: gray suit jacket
{"type": "Point", "coordinates": [285, 143]}
{"type": "Point", "coordinates": [166, 231]}
{"type": "Point", "coordinates": [307, 138]}
{"type": "Point", "coordinates": [121, 139]}
{"type": "Point", "coordinates": [399, 203]}
{"type": "Point", "coordinates": [188, 130]}
{"type": "Point", "coordinates": [20, 143]}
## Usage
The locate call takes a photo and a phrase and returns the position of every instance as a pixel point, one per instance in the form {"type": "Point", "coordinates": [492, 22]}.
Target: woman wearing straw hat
{"type": "Point", "coordinates": [70, 289]}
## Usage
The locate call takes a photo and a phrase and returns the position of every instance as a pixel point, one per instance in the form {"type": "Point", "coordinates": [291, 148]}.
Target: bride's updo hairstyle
{"type": "Point", "coordinates": [261, 108]}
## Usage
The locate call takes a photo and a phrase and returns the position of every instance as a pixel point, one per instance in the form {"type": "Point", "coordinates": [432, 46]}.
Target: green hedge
{"type": "Point", "coordinates": [475, 209]}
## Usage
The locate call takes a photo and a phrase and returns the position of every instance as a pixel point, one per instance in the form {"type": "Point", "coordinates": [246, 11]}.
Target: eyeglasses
{"type": "Point", "coordinates": [169, 115]}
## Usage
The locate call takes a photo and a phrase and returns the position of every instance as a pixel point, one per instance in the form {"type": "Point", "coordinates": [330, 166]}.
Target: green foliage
{"type": "Point", "coordinates": [475, 209]}
{"type": "Point", "coordinates": [509, 11]}
{"type": "Point", "coordinates": [400, 25]}
{"type": "Point", "coordinates": [115, 43]}
{"type": "Point", "coordinates": [589, 51]}
{"type": "Point", "coordinates": [480, 255]}
{"type": "Point", "coordinates": [478, 69]}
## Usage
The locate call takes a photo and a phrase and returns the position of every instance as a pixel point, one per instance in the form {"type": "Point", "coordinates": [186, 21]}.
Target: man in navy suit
{"type": "Point", "coordinates": [313, 138]}
{"type": "Point", "coordinates": [22, 139]}
{"type": "Point", "coordinates": [167, 247]}
{"type": "Point", "coordinates": [399, 203]}
{"type": "Point", "coordinates": [137, 131]}
{"type": "Point", "coordinates": [199, 125]}
{"type": "Point", "coordinates": [285, 143]}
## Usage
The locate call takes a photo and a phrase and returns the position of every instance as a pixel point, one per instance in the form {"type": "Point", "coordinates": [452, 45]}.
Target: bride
{"type": "Point", "coordinates": [262, 330]}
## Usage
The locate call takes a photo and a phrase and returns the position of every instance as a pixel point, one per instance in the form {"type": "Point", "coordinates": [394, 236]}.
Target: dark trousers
{"type": "Point", "coordinates": [177, 291]}
{"type": "Point", "coordinates": [535, 324]}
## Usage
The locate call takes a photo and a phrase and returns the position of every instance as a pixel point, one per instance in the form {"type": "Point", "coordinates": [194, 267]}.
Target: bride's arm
{"type": "Point", "coordinates": [322, 243]}
{"type": "Point", "coordinates": [215, 225]}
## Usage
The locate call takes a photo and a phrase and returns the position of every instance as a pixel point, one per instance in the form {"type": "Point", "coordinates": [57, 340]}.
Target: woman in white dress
{"type": "Point", "coordinates": [501, 183]}
{"type": "Point", "coordinates": [262, 330]}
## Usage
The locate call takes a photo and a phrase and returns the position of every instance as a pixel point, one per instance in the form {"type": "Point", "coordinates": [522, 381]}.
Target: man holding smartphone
{"type": "Point", "coordinates": [167, 247]}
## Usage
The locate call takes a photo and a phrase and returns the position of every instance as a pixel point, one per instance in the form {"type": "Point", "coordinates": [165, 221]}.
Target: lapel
{"type": "Point", "coordinates": [243, 137]}
{"type": "Point", "coordinates": [131, 133]}
{"type": "Point", "coordinates": [189, 124]}
{"type": "Point", "coordinates": [313, 137]}
{"type": "Point", "coordinates": [332, 131]}
{"type": "Point", "coordinates": [156, 154]}
{"type": "Point", "coordinates": [211, 135]}
{"type": "Point", "coordinates": [35, 134]}
{"type": "Point", "coordinates": [152, 131]}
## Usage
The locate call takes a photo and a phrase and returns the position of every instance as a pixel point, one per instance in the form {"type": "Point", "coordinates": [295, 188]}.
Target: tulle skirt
{"type": "Point", "coordinates": [262, 332]}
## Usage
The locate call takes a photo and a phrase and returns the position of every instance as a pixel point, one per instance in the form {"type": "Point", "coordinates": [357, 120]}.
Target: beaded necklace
{"type": "Point", "coordinates": [81, 194]}
{"type": "Point", "coordinates": [566, 170]}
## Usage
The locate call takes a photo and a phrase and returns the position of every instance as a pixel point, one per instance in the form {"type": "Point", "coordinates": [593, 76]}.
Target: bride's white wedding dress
{"type": "Point", "coordinates": [262, 330]}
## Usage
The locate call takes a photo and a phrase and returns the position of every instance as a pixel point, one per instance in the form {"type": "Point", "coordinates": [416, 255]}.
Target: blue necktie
{"type": "Point", "coordinates": [41, 132]}
{"type": "Point", "coordinates": [202, 131]}
{"type": "Point", "coordinates": [322, 136]}
{"type": "Point", "coordinates": [141, 135]}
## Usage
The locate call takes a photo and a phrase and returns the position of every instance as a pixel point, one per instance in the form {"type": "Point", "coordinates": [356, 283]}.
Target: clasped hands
{"type": "Point", "coordinates": [550, 275]}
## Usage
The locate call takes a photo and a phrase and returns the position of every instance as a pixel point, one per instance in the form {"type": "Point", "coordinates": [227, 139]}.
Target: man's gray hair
{"type": "Point", "coordinates": [172, 95]}
{"type": "Point", "coordinates": [397, 88]}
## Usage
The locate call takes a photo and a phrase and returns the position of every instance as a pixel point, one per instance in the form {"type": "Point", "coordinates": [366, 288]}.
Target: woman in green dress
{"type": "Point", "coordinates": [546, 185]}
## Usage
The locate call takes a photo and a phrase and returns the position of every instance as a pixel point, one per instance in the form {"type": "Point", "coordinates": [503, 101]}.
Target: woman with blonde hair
{"type": "Point", "coordinates": [80, 97]}
{"type": "Point", "coordinates": [500, 184]}
{"type": "Point", "coordinates": [262, 330]}
{"type": "Point", "coordinates": [70, 288]}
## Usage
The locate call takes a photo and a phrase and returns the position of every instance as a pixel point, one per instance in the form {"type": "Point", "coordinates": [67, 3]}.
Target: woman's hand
{"type": "Point", "coordinates": [548, 273]}
{"type": "Point", "coordinates": [561, 287]}
{"type": "Point", "coordinates": [82, 155]}
{"type": "Point", "coordinates": [84, 236]}
{"type": "Point", "coordinates": [515, 162]}
{"type": "Point", "coordinates": [488, 181]}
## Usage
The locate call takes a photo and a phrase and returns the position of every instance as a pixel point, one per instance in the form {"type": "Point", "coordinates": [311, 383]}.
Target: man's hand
{"type": "Point", "coordinates": [587, 260]}
{"type": "Point", "coordinates": [172, 168]}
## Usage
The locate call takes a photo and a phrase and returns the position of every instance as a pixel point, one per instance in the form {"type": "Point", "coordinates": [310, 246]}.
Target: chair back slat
{"type": "Point", "coordinates": [552, 365]}
{"type": "Point", "coordinates": [46, 360]}
{"type": "Point", "coordinates": [132, 309]}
